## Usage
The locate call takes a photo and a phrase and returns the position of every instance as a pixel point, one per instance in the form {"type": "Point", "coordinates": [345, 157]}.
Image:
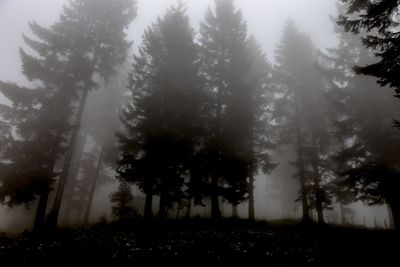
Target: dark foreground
{"type": "Point", "coordinates": [194, 242]}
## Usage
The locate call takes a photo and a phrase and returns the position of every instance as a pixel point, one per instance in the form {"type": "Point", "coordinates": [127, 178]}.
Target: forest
{"type": "Point", "coordinates": [183, 124]}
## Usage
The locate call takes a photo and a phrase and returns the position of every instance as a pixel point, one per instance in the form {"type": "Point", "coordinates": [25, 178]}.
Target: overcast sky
{"type": "Point", "coordinates": [265, 20]}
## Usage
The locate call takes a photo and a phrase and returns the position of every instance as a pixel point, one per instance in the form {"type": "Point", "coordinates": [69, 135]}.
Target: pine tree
{"type": "Point", "coordinates": [378, 21]}
{"type": "Point", "coordinates": [101, 43]}
{"type": "Point", "coordinates": [162, 122]}
{"type": "Point", "coordinates": [302, 115]}
{"type": "Point", "coordinates": [222, 37]}
{"type": "Point", "coordinates": [88, 39]}
{"type": "Point", "coordinates": [122, 199]}
{"type": "Point", "coordinates": [237, 75]}
{"type": "Point", "coordinates": [369, 163]}
{"type": "Point", "coordinates": [40, 117]}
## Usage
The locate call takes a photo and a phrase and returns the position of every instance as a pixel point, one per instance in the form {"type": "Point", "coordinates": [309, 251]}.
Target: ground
{"type": "Point", "coordinates": [195, 241]}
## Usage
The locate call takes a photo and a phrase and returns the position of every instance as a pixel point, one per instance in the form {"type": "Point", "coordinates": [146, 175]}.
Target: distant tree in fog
{"type": "Point", "coordinates": [5, 131]}
{"type": "Point", "coordinates": [163, 120]}
{"type": "Point", "coordinates": [302, 116]}
{"type": "Point", "coordinates": [94, 32]}
{"type": "Point", "coordinates": [122, 202]}
{"type": "Point", "coordinates": [377, 23]}
{"type": "Point", "coordinates": [237, 78]}
{"type": "Point", "coordinates": [87, 40]}
{"type": "Point", "coordinates": [40, 117]}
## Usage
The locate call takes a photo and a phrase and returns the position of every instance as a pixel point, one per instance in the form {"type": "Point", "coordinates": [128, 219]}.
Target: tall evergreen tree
{"type": "Point", "coordinates": [41, 120]}
{"type": "Point", "coordinates": [237, 75]}
{"type": "Point", "coordinates": [101, 43]}
{"type": "Point", "coordinates": [122, 202]}
{"type": "Point", "coordinates": [368, 156]}
{"type": "Point", "coordinates": [88, 40]}
{"type": "Point", "coordinates": [378, 21]}
{"type": "Point", "coordinates": [301, 113]}
{"type": "Point", "coordinates": [162, 122]}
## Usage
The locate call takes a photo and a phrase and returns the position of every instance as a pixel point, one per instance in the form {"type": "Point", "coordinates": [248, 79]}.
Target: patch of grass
{"type": "Point", "coordinates": [280, 243]}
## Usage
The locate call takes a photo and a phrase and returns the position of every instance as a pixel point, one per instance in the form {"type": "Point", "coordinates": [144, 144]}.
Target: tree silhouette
{"type": "Point", "coordinates": [237, 76]}
{"type": "Point", "coordinates": [163, 121]}
{"type": "Point", "coordinates": [122, 202]}
{"type": "Point", "coordinates": [302, 116]}
{"type": "Point", "coordinates": [368, 163]}
{"type": "Point", "coordinates": [378, 21]}
{"type": "Point", "coordinates": [88, 39]}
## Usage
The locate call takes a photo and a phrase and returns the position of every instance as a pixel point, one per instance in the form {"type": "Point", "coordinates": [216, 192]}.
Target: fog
{"type": "Point", "coordinates": [275, 192]}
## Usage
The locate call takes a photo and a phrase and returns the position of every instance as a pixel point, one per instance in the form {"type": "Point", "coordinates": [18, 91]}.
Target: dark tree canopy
{"type": "Point", "coordinates": [87, 40]}
{"type": "Point", "coordinates": [377, 22]}
{"type": "Point", "coordinates": [368, 144]}
{"type": "Point", "coordinates": [237, 76]}
{"type": "Point", "coordinates": [163, 120]}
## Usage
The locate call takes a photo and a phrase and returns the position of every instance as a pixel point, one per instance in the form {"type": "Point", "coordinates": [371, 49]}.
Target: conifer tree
{"type": "Point", "coordinates": [302, 115]}
{"type": "Point", "coordinates": [87, 41]}
{"type": "Point", "coordinates": [369, 163]}
{"type": "Point", "coordinates": [122, 202]}
{"type": "Point", "coordinates": [378, 24]}
{"type": "Point", "coordinates": [162, 122]}
{"type": "Point", "coordinates": [237, 75]}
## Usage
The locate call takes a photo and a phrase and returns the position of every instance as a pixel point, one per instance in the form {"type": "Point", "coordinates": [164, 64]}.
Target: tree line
{"type": "Point", "coordinates": [205, 115]}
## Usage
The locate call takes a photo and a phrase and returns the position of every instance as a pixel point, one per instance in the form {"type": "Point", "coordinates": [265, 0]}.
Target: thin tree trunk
{"type": "Point", "coordinates": [189, 209]}
{"type": "Point", "coordinates": [251, 194]}
{"type": "Point", "coordinates": [317, 186]}
{"type": "Point", "coordinates": [215, 212]}
{"type": "Point", "coordinates": [40, 221]}
{"type": "Point", "coordinates": [93, 188]}
{"type": "Point", "coordinates": [53, 218]}
{"type": "Point", "coordinates": [251, 177]}
{"type": "Point", "coordinates": [390, 216]}
{"type": "Point", "coordinates": [342, 213]}
{"type": "Point", "coordinates": [395, 208]}
{"type": "Point", "coordinates": [73, 177]}
{"type": "Point", "coordinates": [148, 205]}
{"type": "Point", "coordinates": [162, 205]}
{"type": "Point", "coordinates": [179, 209]}
{"type": "Point", "coordinates": [300, 164]}
{"type": "Point", "coordinates": [235, 211]}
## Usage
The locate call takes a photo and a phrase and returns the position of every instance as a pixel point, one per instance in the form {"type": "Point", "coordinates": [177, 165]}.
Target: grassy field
{"type": "Point", "coordinates": [186, 242]}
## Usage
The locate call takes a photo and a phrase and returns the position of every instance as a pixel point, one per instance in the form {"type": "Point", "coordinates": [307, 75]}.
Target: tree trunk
{"type": "Point", "coordinates": [163, 205]}
{"type": "Point", "coordinates": [303, 189]}
{"type": "Point", "coordinates": [40, 221]}
{"type": "Point", "coordinates": [317, 187]}
{"type": "Point", "coordinates": [215, 212]}
{"type": "Point", "coordinates": [235, 211]}
{"type": "Point", "coordinates": [73, 177]}
{"type": "Point", "coordinates": [390, 216]}
{"type": "Point", "coordinates": [189, 209]}
{"type": "Point", "coordinates": [251, 194]}
{"type": "Point", "coordinates": [148, 206]}
{"type": "Point", "coordinates": [251, 177]}
{"type": "Point", "coordinates": [300, 165]}
{"type": "Point", "coordinates": [93, 188]}
{"type": "Point", "coordinates": [53, 218]}
{"type": "Point", "coordinates": [342, 213]}
{"type": "Point", "coordinates": [395, 208]}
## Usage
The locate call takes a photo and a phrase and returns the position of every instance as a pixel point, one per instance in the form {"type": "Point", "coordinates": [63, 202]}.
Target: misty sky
{"type": "Point", "coordinates": [265, 20]}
